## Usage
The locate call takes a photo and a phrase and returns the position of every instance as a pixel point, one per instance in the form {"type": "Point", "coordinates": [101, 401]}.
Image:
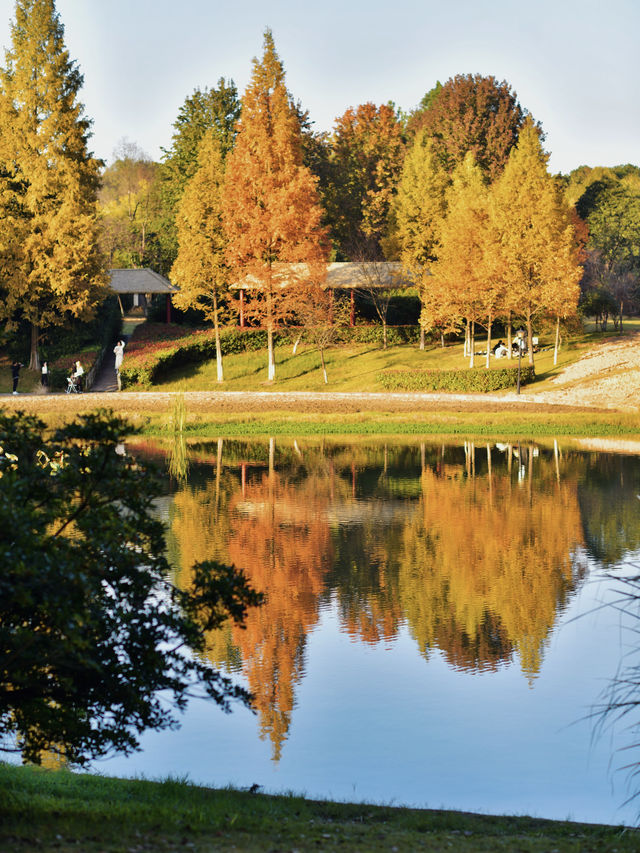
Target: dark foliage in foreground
{"type": "Point", "coordinates": [96, 642]}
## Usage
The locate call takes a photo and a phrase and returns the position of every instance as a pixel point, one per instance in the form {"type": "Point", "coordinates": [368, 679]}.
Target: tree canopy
{"type": "Point", "coordinates": [129, 207]}
{"type": "Point", "coordinates": [367, 150]}
{"type": "Point", "coordinates": [200, 269]}
{"type": "Point", "coordinates": [271, 210]}
{"type": "Point", "coordinates": [471, 114]}
{"type": "Point", "coordinates": [50, 265]}
{"type": "Point", "coordinates": [538, 240]}
{"type": "Point", "coordinates": [216, 110]}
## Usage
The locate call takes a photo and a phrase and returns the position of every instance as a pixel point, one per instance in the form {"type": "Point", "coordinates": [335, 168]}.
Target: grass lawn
{"type": "Point", "coordinates": [29, 379]}
{"type": "Point", "coordinates": [350, 368]}
{"type": "Point", "coordinates": [58, 810]}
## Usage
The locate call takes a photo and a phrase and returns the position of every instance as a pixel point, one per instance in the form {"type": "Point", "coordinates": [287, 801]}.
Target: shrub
{"type": "Point", "coordinates": [455, 380]}
{"type": "Point", "coordinates": [65, 365]}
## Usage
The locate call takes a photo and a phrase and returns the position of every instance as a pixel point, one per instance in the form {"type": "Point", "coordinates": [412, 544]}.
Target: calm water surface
{"type": "Point", "coordinates": [419, 643]}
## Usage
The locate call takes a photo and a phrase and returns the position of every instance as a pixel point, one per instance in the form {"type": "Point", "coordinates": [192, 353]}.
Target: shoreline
{"type": "Point", "coordinates": [64, 811]}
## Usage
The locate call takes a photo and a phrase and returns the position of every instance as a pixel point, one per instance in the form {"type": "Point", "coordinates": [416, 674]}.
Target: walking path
{"type": "Point", "coordinates": [106, 377]}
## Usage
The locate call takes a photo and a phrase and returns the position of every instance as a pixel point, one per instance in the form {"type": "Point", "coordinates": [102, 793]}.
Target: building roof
{"type": "Point", "coordinates": [341, 275]}
{"type": "Point", "coordinates": [367, 274]}
{"type": "Point", "coordinates": [139, 281]}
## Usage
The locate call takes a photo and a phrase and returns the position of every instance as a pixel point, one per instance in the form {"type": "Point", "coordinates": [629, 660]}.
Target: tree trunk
{"type": "Point", "coordinates": [242, 309]}
{"type": "Point", "coordinates": [488, 343]}
{"type": "Point", "coordinates": [324, 368]}
{"type": "Point", "coordinates": [557, 342]}
{"type": "Point", "coordinates": [296, 344]}
{"type": "Point", "coordinates": [421, 337]}
{"type": "Point", "coordinates": [442, 339]}
{"type": "Point", "coordinates": [509, 337]}
{"type": "Point", "coordinates": [271, 362]}
{"type": "Point", "coordinates": [34, 360]}
{"type": "Point", "coordinates": [529, 334]}
{"type": "Point", "coordinates": [472, 344]}
{"type": "Point", "coordinates": [216, 326]}
{"type": "Point", "coordinates": [620, 329]}
{"type": "Point", "coordinates": [384, 334]}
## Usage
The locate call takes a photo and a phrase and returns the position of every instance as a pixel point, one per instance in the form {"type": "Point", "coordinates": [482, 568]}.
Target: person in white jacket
{"type": "Point", "coordinates": [119, 353]}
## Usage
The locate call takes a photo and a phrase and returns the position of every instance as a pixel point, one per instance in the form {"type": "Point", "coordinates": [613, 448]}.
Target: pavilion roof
{"type": "Point", "coordinates": [139, 281]}
{"type": "Point", "coordinates": [341, 275]}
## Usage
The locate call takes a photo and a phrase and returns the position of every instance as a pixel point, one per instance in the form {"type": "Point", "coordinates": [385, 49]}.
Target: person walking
{"type": "Point", "coordinates": [119, 353]}
{"type": "Point", "coordinates": [15, 374]}
{"type": "Point", "coordinates": [44, 375]}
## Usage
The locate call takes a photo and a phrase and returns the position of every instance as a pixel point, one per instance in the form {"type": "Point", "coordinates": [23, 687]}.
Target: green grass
{"type": "Point", "coordinates": [28, 383]}
{"type": "Point", "coordinates": [59, 810]}
{"type": "Point", "coordinates": [350, 368]}
{"type": "Point", "coordinates": [468, 424]}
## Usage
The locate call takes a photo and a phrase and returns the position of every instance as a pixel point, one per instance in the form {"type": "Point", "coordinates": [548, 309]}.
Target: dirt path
{"type": "Point", "coordinates": [605, 378]}
{"type": "Point", "coordinates": [266, 402]}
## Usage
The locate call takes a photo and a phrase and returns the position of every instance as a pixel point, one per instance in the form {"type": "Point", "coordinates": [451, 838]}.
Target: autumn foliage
{"type": "Point", "coordinates": [271, 211]}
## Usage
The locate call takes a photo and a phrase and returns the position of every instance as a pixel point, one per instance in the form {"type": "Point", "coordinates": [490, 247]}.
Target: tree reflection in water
{"type": "Point", "coordinates": [474, 549]}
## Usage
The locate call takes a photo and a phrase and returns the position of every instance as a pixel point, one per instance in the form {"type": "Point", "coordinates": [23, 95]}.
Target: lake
{"type": "Point", "coordinates": [439, 629]}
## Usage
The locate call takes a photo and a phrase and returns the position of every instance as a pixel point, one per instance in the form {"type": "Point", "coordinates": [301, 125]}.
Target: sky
{"type": "Point", "coordinates": [575, 66]}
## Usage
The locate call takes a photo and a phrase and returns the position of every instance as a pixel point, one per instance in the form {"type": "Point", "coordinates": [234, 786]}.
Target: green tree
{"type": "Point", "coordinates": [129, 207]}
{"type": "Point", "coordinates": [200, 269]}
{"type": "Point", "coordinates": [216, 109]}
{"type": "Point", "coordinates": [419, 205]}
{"type": "Point", "coordinates": [271, 211]}
{"type": "Point", "coordinates": [50, 265]}
{"type": "Point", "coordinates": [610, 205]}
{"type": "Point", "coordinates": [92, 629]}
{"type": "Point", "coordinates": [417, 212]}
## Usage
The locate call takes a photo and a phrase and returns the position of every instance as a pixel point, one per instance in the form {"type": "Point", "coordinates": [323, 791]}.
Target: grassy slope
{"type": "Point", "coordinates": [350, 368]}
{"type": "Point", "coordinates": [61, 811]}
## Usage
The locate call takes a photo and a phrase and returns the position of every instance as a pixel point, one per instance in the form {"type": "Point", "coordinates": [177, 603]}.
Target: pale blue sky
{"type": "Point", "coordinates": [574, 65]}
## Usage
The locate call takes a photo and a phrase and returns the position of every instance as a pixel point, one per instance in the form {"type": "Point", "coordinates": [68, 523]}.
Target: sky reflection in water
{"type": "Point", "coordinates": [419, 642]}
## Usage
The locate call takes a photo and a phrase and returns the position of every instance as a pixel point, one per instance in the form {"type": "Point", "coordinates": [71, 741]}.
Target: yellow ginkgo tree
{"type": "Point", "coordinates": [538, 242]}
{"type": "Point", "coordinates": [51, 269]}
{"type": "Point", "coordinates": [460, 276]}
{"type": "Point", "coordinates": [200, 270]}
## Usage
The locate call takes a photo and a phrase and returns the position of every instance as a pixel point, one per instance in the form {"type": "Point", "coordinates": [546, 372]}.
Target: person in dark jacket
{"type": "Point", "coordinates": [15, 374]}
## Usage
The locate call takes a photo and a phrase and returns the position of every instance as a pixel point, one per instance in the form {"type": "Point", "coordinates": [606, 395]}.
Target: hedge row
{"type": "Point", "coordinates": [147, 359]}
{"type": "Point", "coordinates": [455, 380]}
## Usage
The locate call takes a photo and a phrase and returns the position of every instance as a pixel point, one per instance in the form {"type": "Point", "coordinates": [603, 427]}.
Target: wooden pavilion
{"type": "Point", "coordinates": [348, 276]}
{"type": "Point", "coordinates": [142, 284]}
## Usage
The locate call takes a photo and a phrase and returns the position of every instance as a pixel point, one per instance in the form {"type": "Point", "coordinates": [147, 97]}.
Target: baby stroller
{"type": "Point", "coordinates": [73, 385]}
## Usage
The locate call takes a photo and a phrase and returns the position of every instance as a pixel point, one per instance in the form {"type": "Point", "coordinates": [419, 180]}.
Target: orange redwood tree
{"type": "Point", "coordinates": [271, 212]}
